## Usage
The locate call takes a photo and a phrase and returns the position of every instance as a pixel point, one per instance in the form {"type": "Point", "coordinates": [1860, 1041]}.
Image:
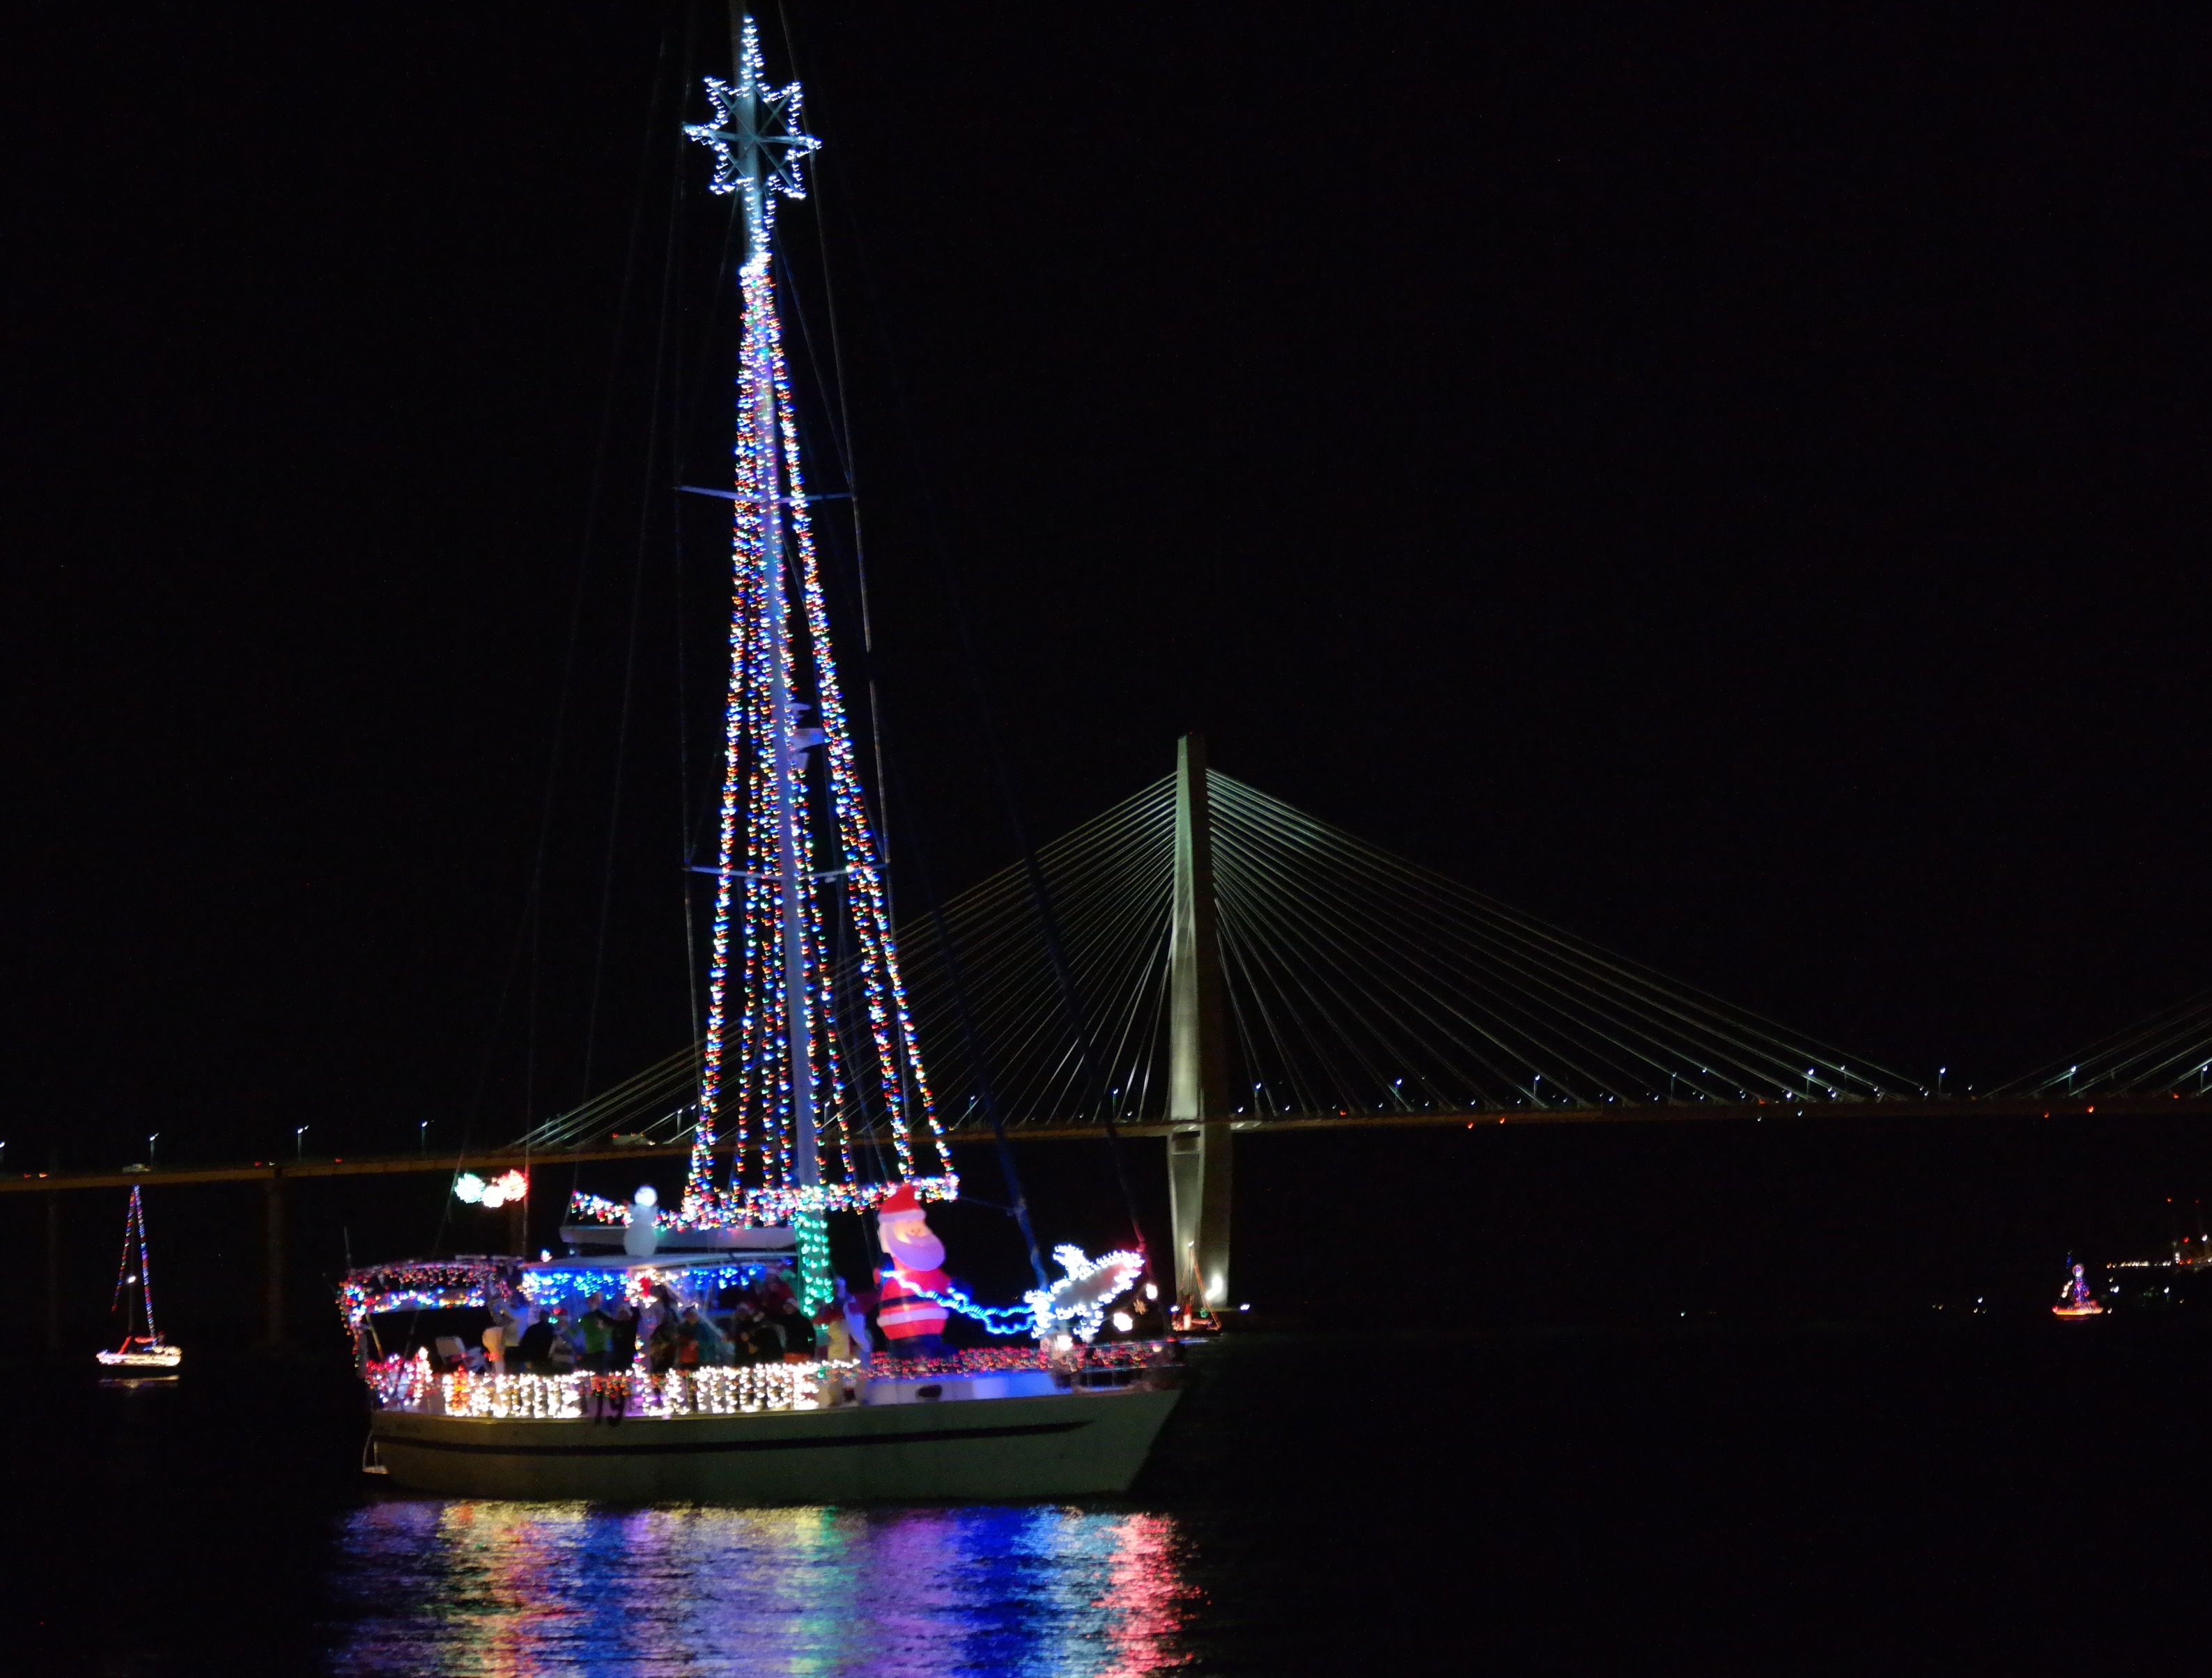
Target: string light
{"type": "Point", "coordinates": [767, 126]}
{"type": "Point", "coordinates": [470, 1190]}
{"type": "Point", "coordinates": [547, 1289]}
{"type": "Point", "coordinates": [1076, 1304]}
{"type": "Point", "coordinates": [736, 1390]}
{"type": "Point", "coordinates": [143, 1351]}
{"type": "Point", "coordinates": [1064, 1355]}
{"type": "Point", "coordinates": [426, 1284]}
{"type": "Point", "coordinates": [770, 1207]}
{"type": "Point", "coordinates": [412, 1383]}
{"type": "Point", "coordinates": [995, 1319]}
{"type": "Point", "coordinates": [147, 1357]}
{"type": "Point", "coordinates": [766, 966]}
{"type": "Point", "coordinates": [1077, 1301]}
{"type": "Point", "coordinates": [452, 1284]}
{"type": "Point", "coordinates": [815, 1289]}
{"type": "Point", "coordinates": [134, 1234]}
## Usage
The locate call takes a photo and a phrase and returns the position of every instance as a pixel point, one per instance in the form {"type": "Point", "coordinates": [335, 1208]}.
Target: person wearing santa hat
{"type": "Point", "coordinates": [913, 1264]}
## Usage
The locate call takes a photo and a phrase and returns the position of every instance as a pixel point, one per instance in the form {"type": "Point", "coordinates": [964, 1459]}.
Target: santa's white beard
{"type": "Point", "coordinates": [926, 1254]}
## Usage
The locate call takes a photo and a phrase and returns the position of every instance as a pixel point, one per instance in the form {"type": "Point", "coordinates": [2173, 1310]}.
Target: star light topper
{"type": "Point", "coordinates": [759, 147]}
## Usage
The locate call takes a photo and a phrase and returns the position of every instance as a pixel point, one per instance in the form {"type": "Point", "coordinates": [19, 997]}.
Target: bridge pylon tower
{"type": "Point", "coordinates": [1199, 1141]}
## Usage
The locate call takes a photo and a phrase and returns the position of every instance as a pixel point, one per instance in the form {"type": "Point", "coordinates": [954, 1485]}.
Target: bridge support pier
{"type": "Point", "coordinates": [272, 1299]}
{"type": "Point", "coordinates": [54, 1269]}
{"type": "Point", "coordinates": [1198, 1146]}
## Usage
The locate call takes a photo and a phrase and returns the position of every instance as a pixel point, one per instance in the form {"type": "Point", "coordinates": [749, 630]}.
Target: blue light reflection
{"type": "Point", "coordinates": [500, 1588]}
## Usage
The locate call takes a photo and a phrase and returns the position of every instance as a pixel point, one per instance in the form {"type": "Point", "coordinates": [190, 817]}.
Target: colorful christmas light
{"type": "Point", "coordinates": [773, 1060]}
{"type": "Point", "coordinates": [735, 1390]}
{"type": "Point", "coordinates": [134, 1234]}
{"type": "Point", "coordinates": [770, 1207]}
{"type": "Point", "coordinates": [699, 1283]}
{"type": "Point", "coordinates": [470, 1190]}
{"type": "Point", "coordinates": [1075, 1304]}
{"type": "Point", "coordinates": [413, 1383]}
{"type": "Point", "coordinates": [995, 1319]}
{"type": "Point", "coordinates": [429, 1286]}
{"type": "Point", "coordinates": [1111, 1356]}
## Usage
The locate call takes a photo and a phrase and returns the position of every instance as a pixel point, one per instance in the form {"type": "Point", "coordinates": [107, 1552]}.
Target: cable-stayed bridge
{"type": "Point", "coordinates": [2169, 1054]}
{"type": "Point", "coordinates": [1204, 958]}
{"type": "Point", "coordinates": [1351, 982]}
{"type": "Point", "coordinates": [1231, 964]}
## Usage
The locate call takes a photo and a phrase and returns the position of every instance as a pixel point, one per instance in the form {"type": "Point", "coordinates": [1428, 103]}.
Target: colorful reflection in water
{"type": "Point", "coordinates": [499, 1588]}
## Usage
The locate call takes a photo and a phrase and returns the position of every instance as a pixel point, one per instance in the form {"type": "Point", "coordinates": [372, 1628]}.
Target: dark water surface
{"type": "Point", "coordinates": [1972, 1495]}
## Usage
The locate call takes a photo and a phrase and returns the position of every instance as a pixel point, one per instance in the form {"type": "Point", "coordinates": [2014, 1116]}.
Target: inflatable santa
{"type": "Point", "coordinates": [914, 1259]}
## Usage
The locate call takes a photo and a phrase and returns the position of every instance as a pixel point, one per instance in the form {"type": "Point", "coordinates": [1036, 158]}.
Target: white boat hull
{"type": "Point", "coordinates": [1065, 1445]}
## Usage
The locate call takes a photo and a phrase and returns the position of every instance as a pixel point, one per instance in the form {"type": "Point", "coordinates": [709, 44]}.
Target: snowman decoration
{"type": "Point", "coordinates": [913, 1266]}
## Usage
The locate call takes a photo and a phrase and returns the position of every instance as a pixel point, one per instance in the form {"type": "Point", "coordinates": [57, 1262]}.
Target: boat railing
{"type": "Point", "coordinates": [417, 1384]}
{"type": "Point", "coordinates": [734, 1390]}
{"type": "Point", "coordinates": [1097, 1359]}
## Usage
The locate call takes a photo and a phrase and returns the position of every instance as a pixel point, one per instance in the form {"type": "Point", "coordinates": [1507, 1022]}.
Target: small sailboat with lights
{"type": "Point", "coordinates": [811, 1084]}
{"type": "Point", "coordinates": [143, 1355]}
{"type": "Point", "coordinates": [2077, 1299]}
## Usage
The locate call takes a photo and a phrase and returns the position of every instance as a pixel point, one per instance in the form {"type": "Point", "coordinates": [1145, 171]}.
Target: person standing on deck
{"type": "Point", "coordinates": [534, 1351]}
{"type": "Point", "coordinates": [834, 1339]}
{"type": "Point", "coordinates": [855, 1307]}
{"type": "Point", "coordinates": [914, 1264]}
{"type": "Point", "coordinates": [622, 1343]}
{"type": "Point", "coordinates": [505, 1333]}
{"type": "Point", "coordinates": [596, 1329]}
{"type": "Point", "coordinates": [797, 1332]}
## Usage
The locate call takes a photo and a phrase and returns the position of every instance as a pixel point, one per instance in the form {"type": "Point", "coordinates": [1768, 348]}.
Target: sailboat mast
{"type": "Point", "coordinates": [145, 1266]}
{"type": "Point", "coordinates": [793, 864]}
{"type": "Point", "coordinates": [769, 1023]}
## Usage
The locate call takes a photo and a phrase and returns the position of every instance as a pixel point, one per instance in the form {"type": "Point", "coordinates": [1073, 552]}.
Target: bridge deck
{"type": "Point", "coordinates": [263, 1170]}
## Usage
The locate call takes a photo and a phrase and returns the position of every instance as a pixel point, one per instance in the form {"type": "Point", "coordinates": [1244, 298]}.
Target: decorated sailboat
{"type": "Point", "coordinates": [144, 1354]}
{"type": "Point", "coordinates": [810, 1065]}
{"type": "Point", "coordinates": [2076, 1297]}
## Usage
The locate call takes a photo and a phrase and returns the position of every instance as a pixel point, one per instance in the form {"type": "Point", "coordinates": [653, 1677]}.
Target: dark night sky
{"type": "Point", "coordinates": [1734, 485]}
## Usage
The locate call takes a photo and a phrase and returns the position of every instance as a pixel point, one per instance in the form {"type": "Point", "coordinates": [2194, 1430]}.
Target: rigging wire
{"type": "Point", "coordinates": [847, 460]}
{"type": "Point", "coordinates": [987, 711]}
{"type": "Point", "coordinates": [679, 664]}
{"type": "Point", "coordinates": [526, 942]}
{"type": "Point", "coordinates": [1359, 982]}
{"type": "Point", "coordinates": [979, 1070]}
{"type": "Point", "coordinates": [1054, 942]}
{"type": "Point", "coordinates": [648, 496]}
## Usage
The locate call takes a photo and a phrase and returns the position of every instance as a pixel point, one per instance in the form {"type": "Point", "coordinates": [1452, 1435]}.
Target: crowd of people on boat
{"type": "Point", "coordinates": [760, 1321]}
{"type": "Point", "coordinates": [753, 1323]}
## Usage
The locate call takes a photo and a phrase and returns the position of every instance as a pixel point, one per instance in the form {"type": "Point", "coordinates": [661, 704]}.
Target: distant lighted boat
{"type": "Point", "coordinates": [144, 1354]}
{"type": "Point", "coordinates": [2077, 1299]}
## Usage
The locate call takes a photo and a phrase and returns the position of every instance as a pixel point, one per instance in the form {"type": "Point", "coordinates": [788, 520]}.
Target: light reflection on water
{"type": "Point", "coordinates": [512, 1591]}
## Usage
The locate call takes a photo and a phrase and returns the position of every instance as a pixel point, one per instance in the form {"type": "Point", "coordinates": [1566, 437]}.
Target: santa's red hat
{"type": "Point", "coordinates": [898, 1204]}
